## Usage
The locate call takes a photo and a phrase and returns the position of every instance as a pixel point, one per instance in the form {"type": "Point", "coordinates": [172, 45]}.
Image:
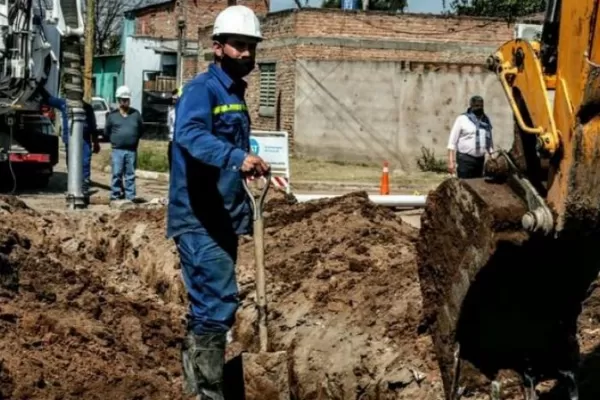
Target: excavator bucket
{"type": "Point", "coordinates": [497, 297]}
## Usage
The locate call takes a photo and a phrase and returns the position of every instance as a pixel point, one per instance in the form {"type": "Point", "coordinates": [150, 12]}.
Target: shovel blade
{"type": "Point", "coordinates": [266, 376]}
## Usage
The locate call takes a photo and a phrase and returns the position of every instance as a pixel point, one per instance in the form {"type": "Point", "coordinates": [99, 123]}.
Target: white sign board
{"type": "Point", "coordinates": [273, 147]}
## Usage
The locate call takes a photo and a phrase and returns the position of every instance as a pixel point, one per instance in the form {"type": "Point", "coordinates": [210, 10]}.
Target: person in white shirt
{"type": "Point", "coordinates": [171, 121]}
{"type": "Point", "coordinates": [470, 140]}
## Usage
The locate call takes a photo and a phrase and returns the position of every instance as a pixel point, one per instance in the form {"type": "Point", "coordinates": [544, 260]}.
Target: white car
{"type": "Point", "coordinates": [101, 109]}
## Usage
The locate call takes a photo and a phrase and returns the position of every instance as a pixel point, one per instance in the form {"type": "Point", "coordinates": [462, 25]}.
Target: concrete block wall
{"type": "Point", "coordinates": [369, 111]}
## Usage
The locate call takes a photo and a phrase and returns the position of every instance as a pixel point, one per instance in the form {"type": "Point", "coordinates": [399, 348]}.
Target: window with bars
{"type": "Point", "coordinates": [268, 86]}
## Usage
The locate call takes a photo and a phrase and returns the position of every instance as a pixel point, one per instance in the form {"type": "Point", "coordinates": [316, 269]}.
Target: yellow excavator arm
{"type": "Point", "coordinates": [506, 261]}
{"type": "Point", "coordinates": [567, 61]}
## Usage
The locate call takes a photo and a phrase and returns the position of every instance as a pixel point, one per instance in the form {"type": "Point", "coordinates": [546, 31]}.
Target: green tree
{"type": "Point", "coordinates": [378, 5]}
{"type": "Point", "coordinates": [497, 8]}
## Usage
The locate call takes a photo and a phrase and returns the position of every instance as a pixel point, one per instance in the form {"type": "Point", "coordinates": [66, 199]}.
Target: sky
{"type": "Point", "coordinates": [417, 6]}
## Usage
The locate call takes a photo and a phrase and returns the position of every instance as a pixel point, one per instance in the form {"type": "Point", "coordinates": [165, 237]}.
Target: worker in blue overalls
{"type": "Point", "coordinates": [208, 207]}
{"type": "Point", "coordinates": [91, 143]}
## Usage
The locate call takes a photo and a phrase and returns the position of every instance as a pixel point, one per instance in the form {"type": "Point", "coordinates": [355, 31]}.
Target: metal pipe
{"type": "Point", "coordinates": [400, 201]}
{"type": "Point", "coordinates": [75, 197]}
{"type": "Point", "coordinates": [180, 47]}
{"type": "Point", "coordinates": [73, 87]}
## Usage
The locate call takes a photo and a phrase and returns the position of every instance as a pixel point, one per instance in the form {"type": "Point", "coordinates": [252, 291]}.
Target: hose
{"type": "Point", "coordinates": [17, 43]}
{"type": "Point", "coordinates": [72, 72]}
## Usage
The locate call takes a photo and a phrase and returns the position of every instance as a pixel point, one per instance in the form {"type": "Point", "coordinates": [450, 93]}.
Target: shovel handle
{"type": "Point", "coordinates": [259, 250]}
{"type": "Point", "coordinates": [259, 201]}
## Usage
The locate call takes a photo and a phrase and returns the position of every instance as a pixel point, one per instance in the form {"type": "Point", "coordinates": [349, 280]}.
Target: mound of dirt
{"type": "Point", "coordinates": [344, 301]}
{"type": "Point", "coordinates": [92, 305]}
{"type": "Point", "coordinates": [66, 331]}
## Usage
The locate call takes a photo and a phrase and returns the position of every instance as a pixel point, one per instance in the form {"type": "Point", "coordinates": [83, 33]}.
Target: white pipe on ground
{"type": "Point", "coordinates": [400, 201]}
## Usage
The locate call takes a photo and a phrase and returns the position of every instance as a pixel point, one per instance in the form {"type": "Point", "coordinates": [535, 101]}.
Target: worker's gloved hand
{"type": "Point", "coordinates": [96, 148]}
{"type": "Point", "coordinates": [254, 165]}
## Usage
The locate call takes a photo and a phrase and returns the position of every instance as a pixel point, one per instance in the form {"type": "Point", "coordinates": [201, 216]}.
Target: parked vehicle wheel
{"type": "Point", "coordinates": [40, 181]}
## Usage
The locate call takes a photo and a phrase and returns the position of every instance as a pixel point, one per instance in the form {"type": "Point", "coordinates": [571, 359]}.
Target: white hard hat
{"type": "Point", "coordinates": [123, 92]}
{"type": "Point", "coordinates": [237, 20]}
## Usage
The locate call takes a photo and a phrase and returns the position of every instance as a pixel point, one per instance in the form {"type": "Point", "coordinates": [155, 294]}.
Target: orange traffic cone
{"type": "Point", "coordinates": [384, 188]}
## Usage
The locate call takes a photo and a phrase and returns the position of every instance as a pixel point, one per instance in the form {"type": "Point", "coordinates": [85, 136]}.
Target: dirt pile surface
{"type": "Point", "coordinates": [512, 299]}
{"type": "Point", "coordinates": [71, 327]}
{"type": "Point", "coordinates": [92, 304]}
{"type": "Point", "coordinates": [344, 300]}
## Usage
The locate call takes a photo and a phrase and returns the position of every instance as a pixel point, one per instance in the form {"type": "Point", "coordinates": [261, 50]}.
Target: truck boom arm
{"type": "Point", "coordinates": [26, 52]}
{"type": "Point", "coordinates": [27, 60]}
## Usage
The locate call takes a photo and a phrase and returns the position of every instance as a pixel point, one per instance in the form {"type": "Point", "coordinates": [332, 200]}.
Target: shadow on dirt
{"type": "Point", "coordinates": [56, 184]}
{"type": "Point", "coordinates": [34, 184]}
{"type": "Point", "coordinates": [589, 384]}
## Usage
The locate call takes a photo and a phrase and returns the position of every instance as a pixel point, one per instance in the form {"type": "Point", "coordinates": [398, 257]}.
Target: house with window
{"type": "Point", "coordinates": [108, 74]}
{"type": "Point", "coordinates": [267, 89]}
{"type": "Point", "coordinates": [368, 86]}
{"type": "Point", "coordinates": [148, 61]}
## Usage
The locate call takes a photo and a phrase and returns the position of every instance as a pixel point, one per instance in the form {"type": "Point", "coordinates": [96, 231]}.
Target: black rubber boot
{"type": "Point", "coordinates": [203, 358]}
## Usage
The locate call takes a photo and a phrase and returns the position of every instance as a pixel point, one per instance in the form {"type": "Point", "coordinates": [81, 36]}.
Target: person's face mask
{"type": "Point", "coordinates": [237, 68]}
{"type": "Point", "coordinates": [478, 112]}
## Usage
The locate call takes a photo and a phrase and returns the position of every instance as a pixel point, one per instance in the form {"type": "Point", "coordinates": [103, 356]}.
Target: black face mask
{"type": "Point", "coordinates": [237, 68]}
{"type": "Point", "coordinates": [478, 112]}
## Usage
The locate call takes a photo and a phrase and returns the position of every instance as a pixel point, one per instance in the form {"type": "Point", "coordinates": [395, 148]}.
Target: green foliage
{"type": "Point", "coordinates": [497, 8]}
{"type": "Point", "coordinates": [378, 5]}
{"type": "Point", "coordinates": [150, 159]}
{"type": "Point", "coordinates": [429, 163]}
{"type": "Point", "coordinates": [332, 4]}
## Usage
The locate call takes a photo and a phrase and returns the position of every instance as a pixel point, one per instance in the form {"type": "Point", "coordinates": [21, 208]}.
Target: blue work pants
{"type": "Point", "coordinates": [87, 162]}
{"type": "Point", "coordinates": [123, 171]}
{"type": "Point", "coordinates": [208, 269]}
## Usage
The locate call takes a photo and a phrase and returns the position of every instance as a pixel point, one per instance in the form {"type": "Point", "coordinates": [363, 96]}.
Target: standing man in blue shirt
{"type": "Point", "coordinates": [208, 206]}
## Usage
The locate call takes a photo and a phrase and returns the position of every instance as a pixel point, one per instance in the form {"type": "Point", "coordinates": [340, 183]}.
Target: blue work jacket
{"type": "Point", "coordinates": [210, 142]}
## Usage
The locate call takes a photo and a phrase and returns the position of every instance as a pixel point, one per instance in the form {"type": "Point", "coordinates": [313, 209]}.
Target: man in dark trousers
{"type": "Point", "coordinates": [124, 128]}
{"type": "Point", "coordinates": [208, 206]}
{"type": "Point", "coordinates": [91, 144]}
{"type": "Point", "coordinates": [470, 140]}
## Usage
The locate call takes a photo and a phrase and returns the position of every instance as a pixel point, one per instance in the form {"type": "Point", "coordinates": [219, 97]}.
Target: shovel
{"type": "Point", "coordinates": [266, 374]}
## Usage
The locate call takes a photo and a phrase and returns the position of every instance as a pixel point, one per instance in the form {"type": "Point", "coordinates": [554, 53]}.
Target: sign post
{"type": "Point", "coordinates": [273, 147]}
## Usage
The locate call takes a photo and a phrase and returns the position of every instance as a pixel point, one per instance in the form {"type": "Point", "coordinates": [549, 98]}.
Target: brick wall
{"type": "Point", "coordinates": [331, 23]}
{"type": "Point", "coordinates": [161, 21]}
{"type": "Point", "coordinates": [190, 67]}
{"type": "Point", "coordinates": [276, 26]}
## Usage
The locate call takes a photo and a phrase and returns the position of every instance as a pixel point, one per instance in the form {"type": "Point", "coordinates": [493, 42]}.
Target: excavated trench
{"type": "Point", "coordinates": [92, 306]}
{"type": "Point", "coordinates": [510, 299]}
